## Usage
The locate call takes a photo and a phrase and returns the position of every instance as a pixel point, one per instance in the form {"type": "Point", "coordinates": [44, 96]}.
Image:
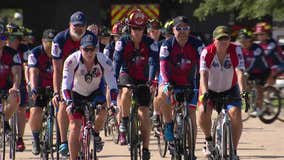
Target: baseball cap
{"type": "Point", "coordinates": [221, 31]}
{"type": "Point", "coordinates": [89, 39]}
{"type": "Point", "coordinates": [48, 34]}
{"type": "Point", "coordinates": [180, 19]}
{"type": "Point", "coordinates": [78, 18]}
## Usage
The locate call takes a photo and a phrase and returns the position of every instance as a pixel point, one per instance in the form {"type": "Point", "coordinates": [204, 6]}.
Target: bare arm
{"type": "Point", "coordinates": [34, 73]}
{"type": "Point", "coordinates": [203, 81]}
{"type": "Point", "coordinates": [241, 79]}
{"type": "Point", "coordinates": [57, 74]}
{"type": "Point", "coordinates": [17, 75]}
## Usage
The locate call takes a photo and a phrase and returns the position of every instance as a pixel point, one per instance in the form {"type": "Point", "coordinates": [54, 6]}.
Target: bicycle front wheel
{"type": "Point", "coordinates": [12, 138]}
{"type": "Point", "coordinates": [159, 134]}
{"type": "Point", "coordinates": [227, 142]}
{"type": "Point", "coordinates": [188, 139]}
{"type": "Point", "coordinates": [271, 105]}
{"type": "Point", "coordinates": [2, 137]}
{"type": "Point", "coordinates": [133, 136]}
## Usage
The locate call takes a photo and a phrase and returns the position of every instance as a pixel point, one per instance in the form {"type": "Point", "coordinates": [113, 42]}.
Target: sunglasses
{"type": "Point", "coordinates": [183, 28]}
{"type": "Point", "coordinates": [137, 28]}
{"type": "Point", "coordinates": [89, 49]}
{"type": "Point", "coordinates": [3, 37]}
{"type": "Point", "coordinates": [78, 25]}
{"type": "Point", "coordinates": [224, 39]}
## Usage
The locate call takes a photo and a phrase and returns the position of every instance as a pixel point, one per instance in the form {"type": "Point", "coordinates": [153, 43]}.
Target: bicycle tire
{"type": "Point", "coordinates": [224, 143]}
{"type": "Point", "coordinates": [93, 149]}
{"type": "Point", "coordinates": [3, 137]}
{"type": "Point", "coordinates": [12, 138]}
{"type": "Point", "coordinates": [58, 139]}
{"type": "Point", "coordinates": [161, 142]}
{"type": "Point", "coordinates": [86, 145]}
{"type": "Point", "coordinates": [133, 134]}
{"type": "Point", "coordinates": [271, 111]}
{"type": "Point", "coordinates": [114, 130]}
{"type": "Point", "coordinates": [230, 140]}
{"type": "Point", "coordinates": [188, 139]}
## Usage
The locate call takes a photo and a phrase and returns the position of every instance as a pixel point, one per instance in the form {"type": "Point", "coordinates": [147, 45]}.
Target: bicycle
{"type": "Point", "coordinates": [134, 134]}
{"type": "Point", "coordinates": [88, 145]}
{"type": "Point", "coordinates": [271, 105]}
{"type": "Point", "coordinates": [11, 138]}
{"type": "Point", "coordinates": [183, 125]}
{"type": "Point", "coordinates": [49, 121]}
{"type": "Point", "coordinates": [112, 125]}
{"type": "Point", "coordinates": [3, 98]}
{"type": "Point", "coordinates": [222, 127]}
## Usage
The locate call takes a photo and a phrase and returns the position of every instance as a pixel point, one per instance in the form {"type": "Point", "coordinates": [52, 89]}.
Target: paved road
{"type": "Point", "coordinates": [258, 141]}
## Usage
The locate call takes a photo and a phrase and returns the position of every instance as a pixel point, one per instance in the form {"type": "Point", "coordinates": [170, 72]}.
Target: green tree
{"type": "Point", "coordinates": [250, 9]}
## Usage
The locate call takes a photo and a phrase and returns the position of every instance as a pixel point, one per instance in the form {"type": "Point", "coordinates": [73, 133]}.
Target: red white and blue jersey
{"type": "Point", "coordinates": [63, 45]}
{"type": "Point", "coordinates": [255, 61]}
{"type": "Point", "coordinates": [222, 77]}
{"type": "Point", "coordinates": [9, 58]}
{"type": "Point", "coordinates": [179, 65]}
{"type": "Point", "coordinates": [139, 64]}
{"type": "Point", "coordinates": [273, 53]}
{"type": "Point", "coordinates": [38, 58]}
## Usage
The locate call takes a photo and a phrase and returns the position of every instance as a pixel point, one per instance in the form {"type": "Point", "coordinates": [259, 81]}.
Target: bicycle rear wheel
{"type": "Point", "coordinates": [2, 137]}
{"type": "Point", "coordinates": [161, 142]}
{"type": "Point", "coordinates": [188, 139]}
{"type": "Point", "coordinates": [271, 105]}
{"type": "Point", "coordinates": [12, 138]}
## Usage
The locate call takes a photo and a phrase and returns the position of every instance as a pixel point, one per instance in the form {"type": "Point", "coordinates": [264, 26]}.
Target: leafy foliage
{"type": "Point", "coordinates": [250, 9]}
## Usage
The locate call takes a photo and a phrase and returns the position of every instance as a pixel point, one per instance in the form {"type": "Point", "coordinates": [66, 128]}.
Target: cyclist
{"type": "Point", "coordinates": [104, 38]}
{"type": "Point", "coordinates": [84, 73]}
{"type": "Point", "coordinates": [154, 32]}
{"type": "Point", "coordinates": [134, 63]}
{"type": "Point", "coordinates": [272, 50]}
{"type": "Point", "coordinates": [65, 43]}
{"type": "Point", "coordinates": [168, 29]}
{"type": "Point", "coordinates": [40, 72]}
{"type": "Point", "coordinates": [15, 35]}
{"type": "Point", "coordinates": [179, 57]}
{"type": "Point", "coordinates": [109, 50]}
{"type": "Point", "coordinates": [115, 33]}
{"type": "Point", "coordinates": [221, 71]}
{"type": "Point", "coordinates": [10, 73]}
{"type": "Point", "coordinates": [256, 65]}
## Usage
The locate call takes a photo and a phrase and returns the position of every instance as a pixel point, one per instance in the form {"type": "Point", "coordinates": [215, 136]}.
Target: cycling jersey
{"type": "Point", "coordinates": [255, 61]}
{"type": "Point", "coordinates": [222, 77]}
{"type": "Point", "coordinates": [141, 63]}
{"type": "Point", "coordinates": [38, 58]}
{"type": "Point", "coordinates": [272, 53]}
{"type": "Point", "coordinates": [9, 58]}
{"type": "Point", "coordinates": [63, 45]}
{"type": "Point", "coordinates": [78, 79]}
{"type": "Point", "coordinates": [178, 65]}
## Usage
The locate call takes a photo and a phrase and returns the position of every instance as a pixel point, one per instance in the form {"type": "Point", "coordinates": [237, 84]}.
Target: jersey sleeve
{"type": "Point", "coordinates": [68, 75]}
{"type": "Point", "coordinates": [108, 70]}
{"type": "Point", "coordinates": [241, 60]}
{"type": "Point", "coordinates": [153, 60]}
{"type": "Point", "coordinates": [164, 63]}
{"type": "Point", "coordinates": [32, 57]}
{"type": "Point", "coordinates": [118, 57]}
{"type": "Point", "coordinates": [203, 65]}
{"type": "Point", "coordinates": [57, 46]}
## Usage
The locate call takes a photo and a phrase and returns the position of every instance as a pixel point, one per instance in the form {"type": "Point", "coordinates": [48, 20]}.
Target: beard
{"type": "Point", "coordinates": [77, 35]}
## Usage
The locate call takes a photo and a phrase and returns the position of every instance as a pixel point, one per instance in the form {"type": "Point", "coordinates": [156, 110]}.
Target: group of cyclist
{"type": "Point", "coordinates": [87, 63]}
